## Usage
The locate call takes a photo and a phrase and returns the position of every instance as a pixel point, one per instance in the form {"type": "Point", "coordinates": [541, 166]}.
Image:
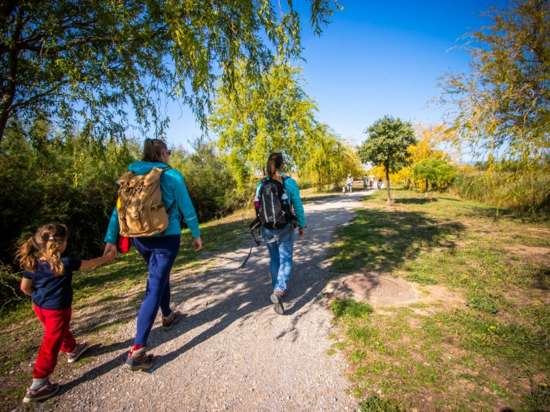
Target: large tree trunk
{"type": "Point", "coordinates": [8, 93]}
{"type": "Point", "coordinates": [389, 200]}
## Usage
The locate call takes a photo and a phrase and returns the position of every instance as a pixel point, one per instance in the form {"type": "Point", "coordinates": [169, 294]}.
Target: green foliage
{"type": "Point", "coordinates": [505, 102]}
{"type": "Point", "coordinates": [350, 308]}
{"type": "Point", "coordinates": [70, 180]}
{"type": "Point", "coordinates": [329, 161]}
{"type": "Point", "coordinates": [209, 181]}
{"type": "Point", "coordinates": [386, 145]}
{"type": "Point", "coordinates": [376, 404]}
{"type": "Point", "coordinates": [522, 191]}
{"type": "Point", "coordinates": [94, 60]}
{"type": "Point", "coordinates": [252, 120]}
{"type": "Point", "coordinates": [438, 174]}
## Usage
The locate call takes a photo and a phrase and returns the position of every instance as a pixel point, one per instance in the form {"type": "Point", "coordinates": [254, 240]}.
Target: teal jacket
{"type": "Point", "coordinates": [293, 192]}
{"type": "Point", "coordinates": [175, 198]}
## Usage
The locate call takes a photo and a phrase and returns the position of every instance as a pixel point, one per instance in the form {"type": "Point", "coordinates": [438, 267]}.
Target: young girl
{"type": "Point", "coordinates": [47, 278]}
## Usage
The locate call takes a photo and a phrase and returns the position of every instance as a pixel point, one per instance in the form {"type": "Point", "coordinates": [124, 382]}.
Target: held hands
{"type": "Point", "coordinates": [110, 251]}
{"type": "Point", "coordinates": [197, 244]}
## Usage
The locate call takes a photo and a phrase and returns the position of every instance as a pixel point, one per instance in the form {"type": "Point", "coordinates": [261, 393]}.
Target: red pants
{"type": "Point", "coordinates": [57, 337]}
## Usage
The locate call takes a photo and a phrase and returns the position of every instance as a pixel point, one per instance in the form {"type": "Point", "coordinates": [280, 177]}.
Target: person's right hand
{"type": "Point", "coordinates": [110, 249]}
{"type": "Point", "coordinates": [197, 244]}
{"type": "Point", "coordinates": [301, 231]}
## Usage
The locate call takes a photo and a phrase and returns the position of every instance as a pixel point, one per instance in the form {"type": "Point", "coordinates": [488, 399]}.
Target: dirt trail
{"type": "Point", "coordinates": [233, 352]}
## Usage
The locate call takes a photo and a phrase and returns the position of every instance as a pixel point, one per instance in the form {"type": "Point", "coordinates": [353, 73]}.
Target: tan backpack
{"type": "Point", "coordinates": [140, 208]}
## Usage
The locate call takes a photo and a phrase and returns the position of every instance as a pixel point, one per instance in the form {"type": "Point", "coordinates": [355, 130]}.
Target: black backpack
{"type": "Point", "coordinates": [274, 210]}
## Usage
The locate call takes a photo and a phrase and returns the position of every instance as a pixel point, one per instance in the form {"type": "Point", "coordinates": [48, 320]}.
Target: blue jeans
{"type": "Point", "coordinates": [280, 243]}
{"type": "Point", "coordinates": [159, 253]}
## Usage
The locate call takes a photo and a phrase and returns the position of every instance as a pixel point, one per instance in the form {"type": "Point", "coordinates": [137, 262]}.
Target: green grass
{"type": "Point", "coordinates": [487, 348]}
{"type": "Point", "coordinates": [107, 297]}
{"type": "Point", "coordinates": [348, 307]}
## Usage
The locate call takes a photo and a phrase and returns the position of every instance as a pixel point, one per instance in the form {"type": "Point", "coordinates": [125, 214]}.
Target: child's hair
{"type": "Point", "coordinates": [152, 150]}
{"type": "Point", "coordinates": [45, 244]}
{"type": "Point", "coordinates": [274, 162]}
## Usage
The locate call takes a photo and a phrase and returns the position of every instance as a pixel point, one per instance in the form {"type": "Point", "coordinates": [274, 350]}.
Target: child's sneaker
{"type": "Point", "coordinates": [79, 349]}
{"type": "Point", "coordinates": [139, 360]}
{"type": "Point", "coordinates": [172, 319]}
{"type": "Point", "coordinates": [44, 392]}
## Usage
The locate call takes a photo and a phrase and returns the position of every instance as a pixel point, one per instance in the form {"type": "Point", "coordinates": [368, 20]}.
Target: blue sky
{"type": "Point", "coordinates": [376, 58]}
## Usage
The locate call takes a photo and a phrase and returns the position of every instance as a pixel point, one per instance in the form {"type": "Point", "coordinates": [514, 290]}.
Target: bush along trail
{"type": "Point", "coordinates": [475, 336]}
{"type": "Point", "coordinates": [231, 352]}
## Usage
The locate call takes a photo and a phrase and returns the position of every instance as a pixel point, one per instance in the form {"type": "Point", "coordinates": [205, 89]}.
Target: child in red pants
{"type": "Point", "coordinates": [47, 278]}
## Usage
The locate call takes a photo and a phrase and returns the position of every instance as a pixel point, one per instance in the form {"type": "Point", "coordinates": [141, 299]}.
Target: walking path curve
{"type": "Point", "coordinates": [233, 352]}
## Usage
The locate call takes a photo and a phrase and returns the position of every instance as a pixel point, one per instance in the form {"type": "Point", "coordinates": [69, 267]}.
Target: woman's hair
{"type": "Point", "coordinates": [274, 162]}
{"type": "Point", "coordinates": [46, 244]}
{"type": "Point", "coordinates": [152, 150]}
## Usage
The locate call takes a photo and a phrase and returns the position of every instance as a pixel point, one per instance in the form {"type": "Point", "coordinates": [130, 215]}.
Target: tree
{"type": "Point", "coordinates": [103, 62]}
{"type": "Point", "coordinates": [437, 174]}
{"type": "Point", "coordinates": [426, 148]}
{"type": "Point", "coordinates": [505, 102]}
{"type": "Point", "coordinates": [257, 118]}
{"type": "Point", "coordinates": [386, 145]}
{"type": "Point", "coordinates": [329, 160]}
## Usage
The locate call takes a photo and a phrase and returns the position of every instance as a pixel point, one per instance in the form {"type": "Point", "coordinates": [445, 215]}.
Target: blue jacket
{"type": "Point", "coordinates": [175, 198]}
{"type": "Point", "coordinates": [291, 188]}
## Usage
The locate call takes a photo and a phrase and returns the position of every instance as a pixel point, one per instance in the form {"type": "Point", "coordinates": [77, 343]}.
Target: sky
{"type": "Point", "coordinates": [376, 58]}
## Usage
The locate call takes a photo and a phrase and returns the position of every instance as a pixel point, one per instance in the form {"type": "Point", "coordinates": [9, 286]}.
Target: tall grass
{"type": "Point", "coordinates": [524, 191]}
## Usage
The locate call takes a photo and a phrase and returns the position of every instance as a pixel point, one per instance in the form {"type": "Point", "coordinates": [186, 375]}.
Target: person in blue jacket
{"type": "Point", "coordinates": [280, 242]}
{"type": "Point", "coordinates": [158, 251]}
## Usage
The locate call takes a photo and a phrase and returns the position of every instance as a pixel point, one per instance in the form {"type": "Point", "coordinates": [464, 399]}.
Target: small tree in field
{"type": "Point", "coordinates": [437, 174]}
{"type": "Point", "coordinates": [386, 145]}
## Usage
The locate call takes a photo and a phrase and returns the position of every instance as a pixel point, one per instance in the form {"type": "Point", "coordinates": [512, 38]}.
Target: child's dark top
{"type": "Point", "coordinates": [50, 291]}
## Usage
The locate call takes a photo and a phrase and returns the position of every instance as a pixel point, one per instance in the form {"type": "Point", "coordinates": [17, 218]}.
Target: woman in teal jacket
{"type": "Point", "coordinates": [280, 241]}
{"type": "Point", "coordinates": [159, 251]}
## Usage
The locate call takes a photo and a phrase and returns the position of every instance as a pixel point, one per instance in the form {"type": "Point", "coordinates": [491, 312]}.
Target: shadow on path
{"type": "Point", "coordinates": [379, 241]}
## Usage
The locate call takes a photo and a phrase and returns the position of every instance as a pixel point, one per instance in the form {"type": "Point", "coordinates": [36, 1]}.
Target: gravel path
{"type": "Point", "coordinates": [233, 352]}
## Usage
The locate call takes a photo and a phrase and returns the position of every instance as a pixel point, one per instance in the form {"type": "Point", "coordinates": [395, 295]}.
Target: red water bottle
{"type": "Point", "coordinates": [124, 244]}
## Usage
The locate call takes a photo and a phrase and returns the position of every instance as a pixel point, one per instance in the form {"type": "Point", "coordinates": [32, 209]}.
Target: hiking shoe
{"type": "Point", "coordinates": [276, 299]}
{"type": "Point", "coordinates": [79, 349]}
{"type": "Point", "coordinates": [172, 319]}
{"type": "Point", "coordinates": [46, 391]}
{"type": "Point", "coordinates": [139, 360]}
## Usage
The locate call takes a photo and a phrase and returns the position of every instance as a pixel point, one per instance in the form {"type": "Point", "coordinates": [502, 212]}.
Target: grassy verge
{"type": "Point", "coordinates": [485, 345]}
{"type": "Point", "coordinates": [103, 300]}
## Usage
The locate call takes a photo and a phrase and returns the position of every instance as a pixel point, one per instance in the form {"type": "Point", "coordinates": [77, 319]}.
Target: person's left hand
{"type": "Point", "coordinates": [197, 244]}
{"type": "Point", "coordinates": [301, 231]}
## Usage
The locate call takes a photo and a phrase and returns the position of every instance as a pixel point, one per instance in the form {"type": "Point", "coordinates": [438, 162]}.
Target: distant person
{"type": "Point", "coordinates": [47, 278]}
{"type": "Point", "coordinates": [279, 209]}
{"type": "Point", "coordinates": [155, 232]}
{"type": "Point", "coordinates": [349, 183]}
{"type": "Point", "coordinates": [379, 184]}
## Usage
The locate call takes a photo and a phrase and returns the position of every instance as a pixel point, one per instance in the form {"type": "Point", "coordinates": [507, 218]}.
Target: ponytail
{"type": "Point", "coordinates": [52, 255]}
{"type": "Point", "coordinates": [274, 163]}
{"type": "Point", "coordinates": [46, 244]}
{"type": "Point", "coordinates": [26, 255]}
